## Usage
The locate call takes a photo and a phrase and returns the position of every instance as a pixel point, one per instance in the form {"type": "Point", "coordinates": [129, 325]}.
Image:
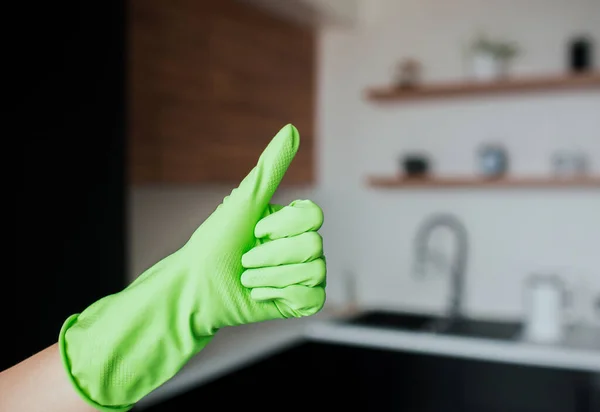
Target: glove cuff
{"type": "Point", "coordinates": [62, 344]}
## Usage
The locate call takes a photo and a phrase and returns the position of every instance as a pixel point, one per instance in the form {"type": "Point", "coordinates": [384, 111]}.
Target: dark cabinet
{"type": "Point", "coordinates": [314, 376]}
{"type": "Point", "coordinates": [69, 173]}
{"type": "Point", "coordinates": [414, 382]}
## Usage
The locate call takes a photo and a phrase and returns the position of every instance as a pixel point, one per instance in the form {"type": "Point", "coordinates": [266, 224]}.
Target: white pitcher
{"type": "Point", "coordinates": [548, 309]}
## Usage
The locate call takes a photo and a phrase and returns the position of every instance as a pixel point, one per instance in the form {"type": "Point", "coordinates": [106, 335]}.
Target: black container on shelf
{"type": "Point", "coordinates": [581, 54]}
{"type": "Point", "coordinates": [415, 165]}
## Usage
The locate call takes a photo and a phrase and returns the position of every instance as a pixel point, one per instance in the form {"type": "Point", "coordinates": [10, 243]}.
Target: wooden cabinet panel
{"type": "Point", "coordinates": [210, 83]}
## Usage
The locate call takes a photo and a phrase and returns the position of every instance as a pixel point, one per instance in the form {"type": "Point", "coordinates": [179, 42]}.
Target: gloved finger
{"type": "Point", "coordinates": [256, 190]}
{"type": "Point", "coordinates": [297, 249]}
{"type": "Point", "coordinates": [299, 217]}
{"type": "Point", "coordinates": [306, 274]}
{"type": "Point", "coordinates": [272, 208]}
{"type": "Point", "coordinates": [292, 301]}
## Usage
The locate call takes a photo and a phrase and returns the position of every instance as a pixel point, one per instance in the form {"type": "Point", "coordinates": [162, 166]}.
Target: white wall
{"type": "Point", "coordinates": [369, 232]}
{"type": "Point", "coordinates": [512, 233]}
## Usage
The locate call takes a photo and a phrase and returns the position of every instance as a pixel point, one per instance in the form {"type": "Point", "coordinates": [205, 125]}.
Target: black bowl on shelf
{"type": "Point", "coordinates": [415, 165]}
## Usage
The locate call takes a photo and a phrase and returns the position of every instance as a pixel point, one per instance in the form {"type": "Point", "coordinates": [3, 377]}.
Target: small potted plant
{"type": "Point", "coordinates": [490, 59]}
{"type": "Point", "coordinates": [505, 53]}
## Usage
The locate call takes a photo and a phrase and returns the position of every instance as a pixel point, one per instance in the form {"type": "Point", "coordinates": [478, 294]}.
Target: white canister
{"type": "Point", "coordinates": [546, 309]}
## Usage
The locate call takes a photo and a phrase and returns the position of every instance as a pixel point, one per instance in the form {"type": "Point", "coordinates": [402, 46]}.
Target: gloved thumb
{"type": "Point", "coordinates": [257, 188]}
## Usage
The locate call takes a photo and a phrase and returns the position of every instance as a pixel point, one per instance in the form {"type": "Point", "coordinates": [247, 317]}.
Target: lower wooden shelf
{"type": "Point", "coordinates": [402, 182]}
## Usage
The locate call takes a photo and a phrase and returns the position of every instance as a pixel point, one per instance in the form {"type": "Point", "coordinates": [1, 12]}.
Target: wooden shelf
{"type": "Point", "coordinates": [474, 88]}
{"type": "Point", "coordinates": [400, 182]}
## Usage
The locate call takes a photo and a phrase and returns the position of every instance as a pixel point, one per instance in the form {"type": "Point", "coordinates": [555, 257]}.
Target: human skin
{"type": "Point", "coordinates": [40, 384]}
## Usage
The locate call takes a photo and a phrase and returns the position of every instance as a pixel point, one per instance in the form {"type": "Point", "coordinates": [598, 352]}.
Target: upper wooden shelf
{"type": "Point", "coordinates": [474, 88]}
{"type": "Point", "coordinates": [401, 182]}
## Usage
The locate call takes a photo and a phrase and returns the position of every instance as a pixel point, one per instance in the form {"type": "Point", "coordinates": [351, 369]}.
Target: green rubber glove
{"type": "Point", "coordinates": [248, 262]}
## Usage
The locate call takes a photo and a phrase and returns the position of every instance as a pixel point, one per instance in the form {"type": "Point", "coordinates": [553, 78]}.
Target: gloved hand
{"type": "Point", "coordinates": [248, 262]}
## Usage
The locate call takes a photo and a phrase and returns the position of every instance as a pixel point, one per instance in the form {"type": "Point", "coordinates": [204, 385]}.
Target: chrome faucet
{"type": "Point", "coordinates": [424, 254]}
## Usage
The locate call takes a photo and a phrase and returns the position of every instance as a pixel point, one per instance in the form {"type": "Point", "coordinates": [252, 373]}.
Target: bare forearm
{"type": "Point", "coordinates": [39, 384]}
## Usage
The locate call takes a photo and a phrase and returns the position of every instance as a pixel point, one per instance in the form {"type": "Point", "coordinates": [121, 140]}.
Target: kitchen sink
{"type": "Point", "coordinates": [484, 329]}
{"type": "Point", "coordinates": [392, 320]}
{"type": "Point", "coordinates": [473, 328]}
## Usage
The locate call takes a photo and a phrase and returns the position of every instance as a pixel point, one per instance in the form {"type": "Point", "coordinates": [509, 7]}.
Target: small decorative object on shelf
{"type": "Point", "coordinates": [493, 160]}
{"type": "Point", "coordinates": [581, 54]}
{"type": "Point", "coordinates": [415, 165]}
{"type": "Point", "coordinates": [569, 164]}
{"type": "Point", "coordinates": [490, 59]}
{"type": "Point", "coordinates": [581, 163]}
{"type": "Point", "coordinates": [408, 74]}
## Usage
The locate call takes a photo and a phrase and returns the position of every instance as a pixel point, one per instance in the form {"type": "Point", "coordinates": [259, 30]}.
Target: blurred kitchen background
{"type": "Point", "coordinates": [453, 145]}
